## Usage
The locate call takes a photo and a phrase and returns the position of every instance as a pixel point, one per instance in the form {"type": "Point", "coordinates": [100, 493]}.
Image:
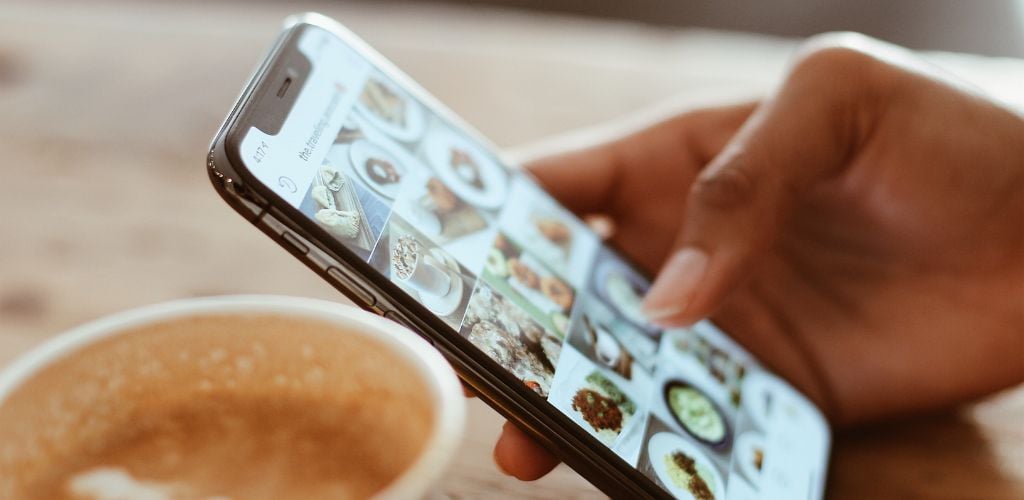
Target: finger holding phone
{"type": "Point", "coordinates": [861, 231]}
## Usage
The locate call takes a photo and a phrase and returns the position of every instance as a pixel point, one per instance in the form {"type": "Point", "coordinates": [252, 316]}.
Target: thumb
{"type": "Point", "coordinates": [738, 204]}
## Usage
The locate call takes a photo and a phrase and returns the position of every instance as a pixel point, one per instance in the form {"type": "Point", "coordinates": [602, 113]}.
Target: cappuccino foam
{"type": "Point", "coordinates": [216, 407]}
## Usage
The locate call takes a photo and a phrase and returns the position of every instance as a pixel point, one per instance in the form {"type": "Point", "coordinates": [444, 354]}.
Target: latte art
{"type": "Point", "coordinates": [241, 407]}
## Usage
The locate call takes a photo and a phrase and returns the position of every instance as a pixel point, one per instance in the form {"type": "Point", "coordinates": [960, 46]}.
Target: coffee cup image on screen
{"type": "Point", "coordinates": [511, 337]}
{"type": "Point", "coordinates": [608, 340]}
{"type": "Point", "coordinates": [606, 348]}
{"type": "Point", "coordinates": [423, 270]}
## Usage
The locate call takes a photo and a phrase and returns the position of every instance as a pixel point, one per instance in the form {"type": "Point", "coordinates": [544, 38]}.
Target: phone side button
{"type": "Point", "coordinates": [294, 242]}
{"type": "Point", "coordinates": [364, 295]}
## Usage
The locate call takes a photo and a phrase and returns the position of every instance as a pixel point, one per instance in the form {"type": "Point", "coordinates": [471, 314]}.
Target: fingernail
{"type": "Point", "coordinates": [676, 284]}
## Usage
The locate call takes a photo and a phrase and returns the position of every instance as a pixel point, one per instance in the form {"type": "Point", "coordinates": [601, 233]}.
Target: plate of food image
{"type": "Point", "coordinates": [391, 110]}
{"type": "Point", "coordinates": [379, 168]}
{"type": "Point", "coordinates": [510, 337]}
{"type": "Point", "coordinates": [725, 367]}
{"type": "Point", "coordinates": [602, 407]}
{"type": "Point", "coordinates": [549, 236]}
{"type": "Point", "coordinates": [554, 230]}
{"type": "Point", "coordinates": [551, 346]}
{"type": "Point", "coordinates": [542, 288]}
{"type": "Point", "coordinates": [683, 468]}
{"type": "Point", "coordinates": [496, 263]}
{"type": "Point", "coordinates": [447, 303]}
{"type": "Point", "coordinates": [337, 207]}
{"type": "Point", "coordinates": [467, 169]}
{"type": "Point", "coordinates": [697, 414]}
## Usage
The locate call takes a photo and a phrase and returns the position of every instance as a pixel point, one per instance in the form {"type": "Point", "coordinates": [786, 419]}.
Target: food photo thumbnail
{"type": "Point", "coordinates": [607, 339]}
{"type": "Point", "coordinates": [623, 289]}
{"type": "Point", "coordinates": [510, 336]}
{"type": "Point", "coordinates": [522, 277]}
{"type": "Point", "coordinates": [601, 402]}
{"type": "Point", "coordinates": [423, 270]}
{"type": "Point", "coordinates": [555, 236]}
{"type": "Point", "coordinates": [345, 209]}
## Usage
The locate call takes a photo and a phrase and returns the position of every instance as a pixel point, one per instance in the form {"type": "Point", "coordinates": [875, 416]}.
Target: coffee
{"type": "Point", "coordinates": [241, 407]}
{"type": "Point", "coordinates": [237, 448]}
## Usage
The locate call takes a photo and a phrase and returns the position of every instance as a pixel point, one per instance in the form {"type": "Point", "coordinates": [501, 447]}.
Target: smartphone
{"type": "Point", "coordinates": [380, 189]}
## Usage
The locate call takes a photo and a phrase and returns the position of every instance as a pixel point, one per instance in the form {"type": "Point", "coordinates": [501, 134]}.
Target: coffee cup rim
{"type": "Point", "coordinates": [450, 406]}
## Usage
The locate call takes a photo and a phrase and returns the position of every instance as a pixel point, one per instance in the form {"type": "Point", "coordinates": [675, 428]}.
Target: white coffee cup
{"type": "Point", "coordinates": [67, 387]}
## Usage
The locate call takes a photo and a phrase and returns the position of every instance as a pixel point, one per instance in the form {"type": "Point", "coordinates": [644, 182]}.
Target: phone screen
{"type": "Point", "coordinates": [486, 250]}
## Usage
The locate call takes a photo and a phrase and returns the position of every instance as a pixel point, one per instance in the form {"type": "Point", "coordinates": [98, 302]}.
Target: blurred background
{"type": "Point", "coordinates": [107, 108]}
{"type": "Point", "coordinates": [994, 27]}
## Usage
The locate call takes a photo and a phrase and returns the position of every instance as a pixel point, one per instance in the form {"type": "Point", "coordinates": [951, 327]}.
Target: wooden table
{"type": "Point", "coordinates": [105, 114]}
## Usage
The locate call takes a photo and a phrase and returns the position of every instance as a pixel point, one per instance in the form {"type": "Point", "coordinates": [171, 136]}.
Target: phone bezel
{"type": "Point", "coordinates": [498, 388]}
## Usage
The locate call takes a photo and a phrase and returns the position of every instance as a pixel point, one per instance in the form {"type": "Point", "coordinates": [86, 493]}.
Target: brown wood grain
{"type": "Point", "coordinates": [106, 110]}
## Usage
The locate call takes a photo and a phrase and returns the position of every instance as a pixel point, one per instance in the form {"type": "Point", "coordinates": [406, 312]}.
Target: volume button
{"type": "Point", "coordinates": [294, 242]}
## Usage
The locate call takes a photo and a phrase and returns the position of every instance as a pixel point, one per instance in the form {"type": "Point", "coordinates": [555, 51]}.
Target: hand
{"type": "Point", "coordinates": [861, 231]}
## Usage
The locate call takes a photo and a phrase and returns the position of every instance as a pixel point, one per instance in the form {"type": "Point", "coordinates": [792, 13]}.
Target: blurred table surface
{"type": "Point", "coordinates": [106, 110]}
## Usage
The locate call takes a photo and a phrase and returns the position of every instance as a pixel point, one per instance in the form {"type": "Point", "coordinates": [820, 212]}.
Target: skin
{"type": "Point", "coordinates": [861, 231]}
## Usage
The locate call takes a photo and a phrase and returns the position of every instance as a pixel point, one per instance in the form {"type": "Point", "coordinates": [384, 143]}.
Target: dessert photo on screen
{"type": "Point", "coordinates": [373, 159]}
{"type": "Point", "coordinates": [555, 236]}
{"type": "Point", "coordinates": [448, 220]}
{"type": "Point", "coordinates": [516, 273]}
